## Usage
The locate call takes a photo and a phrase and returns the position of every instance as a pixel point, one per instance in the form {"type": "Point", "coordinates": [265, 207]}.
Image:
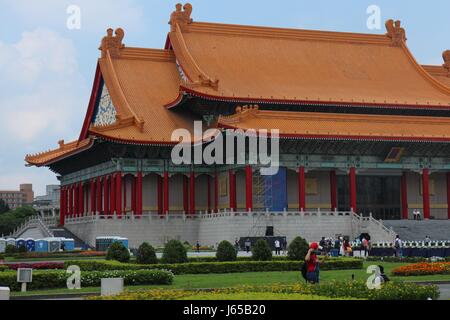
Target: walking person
{"type": "Point", "coordinates": [237, 245]}
{"type": "Point", "coordinates": [248, 245]}
{"type": "Point", "coordinates": [365, 245]}
{"type": "Point", "coordinates": [398, 246]}
{"type": "Point", "coordinates": [311, 269]}
{"type": "Point", "coordinates": [277, 247]}
{"type": "Point", "coordinates": [347, 248]}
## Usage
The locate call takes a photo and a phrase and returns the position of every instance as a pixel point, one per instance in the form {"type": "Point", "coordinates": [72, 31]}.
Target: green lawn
{"type": "Point", "coordinates": [205, 281]}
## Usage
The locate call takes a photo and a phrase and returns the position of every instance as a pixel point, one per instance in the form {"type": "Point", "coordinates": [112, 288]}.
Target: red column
{"type": "Point", "coordinates": [76, 201]}
{"type": "Point", "coordinates": [333, 190]}
{"type": "Point", "coordinates": [105, 196]}
{"type": "Point", "coordinates": [233, 204]}
{"type": "Point", "coordinates": [249, 188]}
{"type": "Point", "coordinates": [185, 194]}
{"type": "Point", "coordinates": [216, 193]}
{"type": "Point", "coordinates": [139, 205]}
{"type": "Point", "coordinates": [448, 194]}
{"type": "Point", "coordinates": [160, 194]}
{"type": "Point", "coordinates": [166, 193]}
{"type": "Point", "coordinates": [62, 206]}
{"type": "Point", "coordinates": [70, 189]}
{"type": "Point", "coordinates": [192, 208]}
{"type": "Point", "coordinates": [352, 178]}
{"type": "Point", "coordinates": [124, 186]}
{"type": "Point", "coordinates": [404, 191]}
{"type": "Point", "coordinates": [81, 204]}
{"type": "Point", "coordinates": [133, 195]}
{"type": "Point", "coordinates": [119, 194]}
{"type": "Point", "coordinates": [98, 189]}
{"type": "Point", "coordinates": [93, 196]}
{"type": "Point", "coordinates": [426, 193]}
{"type": "Point", "coordinates": [209, 194]}
{"type": "Point", "coordinates": [301, 189]}
{"type": "Point", "coordinates": [112, 195]}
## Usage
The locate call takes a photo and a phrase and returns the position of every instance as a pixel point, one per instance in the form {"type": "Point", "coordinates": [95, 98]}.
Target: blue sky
{"type": "Point", "coordinates": [46, 70]}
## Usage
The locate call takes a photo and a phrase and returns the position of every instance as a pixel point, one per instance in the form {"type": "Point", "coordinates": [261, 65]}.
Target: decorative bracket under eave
{"type": "Point", "coordinates": [112, 44]}
{"type": "Point", "coordinates": [446, 65]}
{"type": "Point", "coordinates": [395, 32]}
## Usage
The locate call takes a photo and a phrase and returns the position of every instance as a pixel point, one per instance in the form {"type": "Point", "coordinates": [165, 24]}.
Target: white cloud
{"type": "Point", "coordinates": [43, 99]}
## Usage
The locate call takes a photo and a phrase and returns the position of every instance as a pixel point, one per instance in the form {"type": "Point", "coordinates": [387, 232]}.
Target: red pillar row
{"type": "Point", "coordinates": [352, 177]}
{"type": "Point", "coordinates": [98, 189]}
{"type": "Point", "coordinates": [118, 195]}
{"type": "Point", "coordinates": [426, 193]}
{"type": "Point", "coordinates": [62, 207]}
{"type": "Point", "coordinates": [301, 189]}
{"type": "Point", "coordinates": [185, 194]}
{"type": "Point", "coordinates": [404, 193]}
{"type": "Point", "coordinates": [71, 211]}
{"type": "Point", "coordinates": [134, 188]}
{"type": "Point", "coordinates": [249, 188]}
{"type": "Point", "coordinates": [166, 207]}
{"type": "Point", "coordinates": [333, 190]}
{"type": "Point", "coordinates": [232, 178]}
{"type": "Point", "coordinates": [448, 194]}
{"type": "Point", "coordinates": [192, 208]}
{"type": "Point", "coordinates": [209, 193]}
{"type": "Point", "coordinates": [93, 195]}
{"type": "Point", "coordinates": [81, 200]}
{"type": "Point", "coordinates": [105, 196]}
{"type": "Point", "coordinates": [138, 205]}
{"type": "Point", "coordinates": [216, 192]}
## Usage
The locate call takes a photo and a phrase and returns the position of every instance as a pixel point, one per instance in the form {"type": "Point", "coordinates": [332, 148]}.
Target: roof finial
{"type": "Point", "coordinates": [111, 43]}
{"type": "Point", "coordinates": [395, 32]}
{"type": "Point", "coordinates": [181, 16]}
{"type": "Point", "coordinates": [446, 56]}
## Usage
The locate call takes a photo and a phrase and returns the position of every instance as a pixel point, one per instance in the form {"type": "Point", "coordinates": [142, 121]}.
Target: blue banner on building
{"type": "Point", "coordinates": [275, 191]}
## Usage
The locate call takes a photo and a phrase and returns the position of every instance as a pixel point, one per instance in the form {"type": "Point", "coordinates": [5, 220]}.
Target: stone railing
{"type": "Point", "coordinates": [43, 224]}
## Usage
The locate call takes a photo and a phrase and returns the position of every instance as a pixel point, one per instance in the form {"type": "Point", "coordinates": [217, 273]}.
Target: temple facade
{"type": "Point", "coordinates": [364, 131]}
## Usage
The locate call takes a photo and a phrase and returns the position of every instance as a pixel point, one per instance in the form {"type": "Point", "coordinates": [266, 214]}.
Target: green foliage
{"type": "Point", "coordinates": [226, 252]}
{"type": "Point", "coordinates": [217, 267]}
{"type": "Point", "coordinates": [3, 207]}
{"type": "Point", "coordinates": [10, 249]}
{"type": "Point", "coordinates": [10, 220]}
{"type": "Point", "coordinates": [146, 254]}
{"type": "Point", "coordinates": [174, 252]}
{"type": "Point", "coordinates": [298, 249]}
{"type": "Point", "coordinates": [58, 279]}
{"type": "Point", "coordinates": [22, 249]}
{"type": "Point", "coordinates": [3, 268]}
{"type": "Point", "coordinates": [118, 252]}
{"type": "Point", "coordinates": [261, 251]}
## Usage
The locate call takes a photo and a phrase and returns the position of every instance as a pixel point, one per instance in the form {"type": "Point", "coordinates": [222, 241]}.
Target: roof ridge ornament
{"type": "Point", "coordinates": [181, 16]}
{"type": "Point", "coordinates": [112, 43]}
{"type": "Point", "coordinates": [396, 32]}
{"type": "Point", "coordinates": [446, 57]}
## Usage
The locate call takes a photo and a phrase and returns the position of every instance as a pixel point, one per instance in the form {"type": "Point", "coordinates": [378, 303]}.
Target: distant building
{"type": "Point", "coordinates": [51, 198]}
{"type": "Point", "coordinates": [18, 198]}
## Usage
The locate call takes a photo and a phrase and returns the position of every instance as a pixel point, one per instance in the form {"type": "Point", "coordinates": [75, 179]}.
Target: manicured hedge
{"type": "Point", "coordinates": [45, 255]}
{"type": "Point", "coordinates": [218, 267]}
{"type": "Point", "coordinates": [333, 290]}
{"type": "Point", "coordinates": [58, 279]}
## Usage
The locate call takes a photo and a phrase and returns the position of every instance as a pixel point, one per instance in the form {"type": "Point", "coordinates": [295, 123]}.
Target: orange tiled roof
{"type": "Point", "coordinates": [64, 150]}
{"type": "Point", "coordinates": [260, 64]}
{"type": "Point", "coordinates": [341, 126]}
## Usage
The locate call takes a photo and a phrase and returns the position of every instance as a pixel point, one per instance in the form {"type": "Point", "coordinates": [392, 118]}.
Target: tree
{"type": "Point", "coordinates": [174, 252]}
{"type": "Point", "coordinates": [226, 252]}
{"type": "Point", "coordinates": [118, 252]}
{"type": "Point", "coordinates": [3, 207]}
{"type": "Point", "coordinates": [261, 251]}
{"type": "Point", "coordinates": [298, 249]}
{"type": "Point", "coordinates": [146, 254]}
{"type": "Point", "coordinates": [9, 221]}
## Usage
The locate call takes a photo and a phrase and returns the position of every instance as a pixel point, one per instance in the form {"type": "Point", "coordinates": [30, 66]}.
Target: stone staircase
{"type": "Point", "coordinates": [411, 230]}
{"type": "Point", "coordinates": [377, 229]}
{"type": "Point", "coordinates": [35, 227]}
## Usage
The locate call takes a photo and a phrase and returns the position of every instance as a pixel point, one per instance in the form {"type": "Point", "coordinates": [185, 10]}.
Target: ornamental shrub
{"type": "Point", "coordinates": [118, 252]}
{"type": "Point", "coordinates": [226, 252]}
{"type": "Point", "coordinates": [174, 252]}
{"type": "Point", "coordinates": [261, 251]}
{"type": "Point", "coordinates": [10, 249]}
{"type": "Point", "coordinates": [22, 249]}
{"type": "Point", "coordinates": [298, 249]}
{"type": "Point", "coordinates": [146, 254]}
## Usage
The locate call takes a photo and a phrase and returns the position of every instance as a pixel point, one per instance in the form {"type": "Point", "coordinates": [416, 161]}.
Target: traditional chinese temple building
{"type": "Point", "coordinates": [364, 128]}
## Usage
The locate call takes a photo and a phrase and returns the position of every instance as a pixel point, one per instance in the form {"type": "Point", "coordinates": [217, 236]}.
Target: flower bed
{"type": "Point", "coordinates": [37, 265]}
{"type": "Point", "coordinates": [335, 290]}
{"type": "Point", "coordinates": [58, 279]}
{"type": "Point", "coordinates": [424, 268]}
{"type": "Point", "coordinates": [218, 267]}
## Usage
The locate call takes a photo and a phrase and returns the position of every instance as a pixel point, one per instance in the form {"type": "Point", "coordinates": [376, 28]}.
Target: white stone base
{"type": "Point", "coordinates": [209, 230]}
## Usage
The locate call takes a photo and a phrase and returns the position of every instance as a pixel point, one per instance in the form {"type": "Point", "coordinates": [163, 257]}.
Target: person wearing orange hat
{"type": "Point", "coordinates": [312, 264]}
